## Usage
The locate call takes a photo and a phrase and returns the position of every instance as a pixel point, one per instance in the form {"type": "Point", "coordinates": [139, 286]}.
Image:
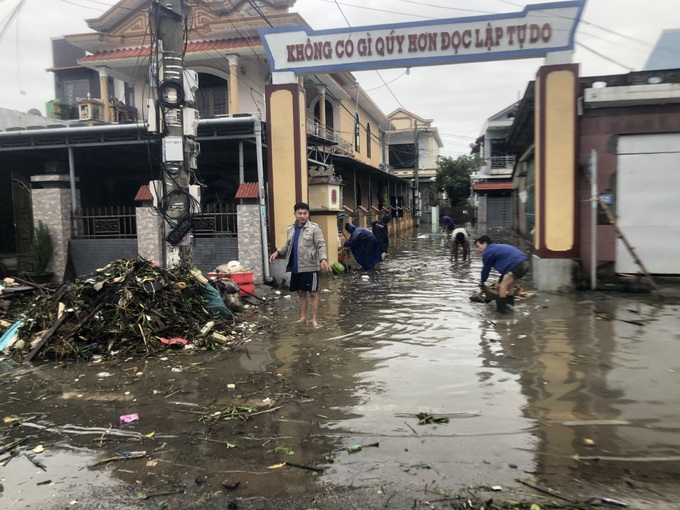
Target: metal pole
{"type": "Point", "coordinates": [593, 220]}
{"type": "Point", "coordinates": [416, 177]}
{"type": "Point", "coordinates": [72, 180]}
{"type": "Point", "coordinates": [241, 172]}
{"type": "Point", "coordinates": [263, 209]}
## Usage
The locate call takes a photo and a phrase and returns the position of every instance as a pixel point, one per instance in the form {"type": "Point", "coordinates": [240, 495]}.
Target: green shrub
{"type": "Point", "coordinates": [42, 248]}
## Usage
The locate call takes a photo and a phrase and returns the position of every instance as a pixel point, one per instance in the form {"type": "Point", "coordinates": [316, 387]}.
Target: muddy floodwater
{"type": "Point", "coordinates": [574, 394]}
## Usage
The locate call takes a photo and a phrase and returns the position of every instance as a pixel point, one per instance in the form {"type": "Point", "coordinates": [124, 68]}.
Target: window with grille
{"type": "Point", "coordinates": [75, 90]}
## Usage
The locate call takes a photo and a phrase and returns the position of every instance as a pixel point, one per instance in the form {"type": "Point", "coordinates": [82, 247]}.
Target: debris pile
{"type": "Point", "coordinates": [125, 309]}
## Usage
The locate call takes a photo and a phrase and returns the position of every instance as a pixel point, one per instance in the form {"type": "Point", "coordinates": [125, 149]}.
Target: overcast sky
{"type": "Point", "coordinates": [614, 37]}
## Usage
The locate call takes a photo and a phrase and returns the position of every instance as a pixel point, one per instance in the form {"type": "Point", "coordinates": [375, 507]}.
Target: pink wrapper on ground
{"type": "Point", "coordinates": [128, 418]}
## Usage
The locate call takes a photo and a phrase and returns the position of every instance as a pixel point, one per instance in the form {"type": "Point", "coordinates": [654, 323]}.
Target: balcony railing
{"type": "Point", "coordinates": [315, 128]}
{"type": "Point", "coordinates": [502, 162]}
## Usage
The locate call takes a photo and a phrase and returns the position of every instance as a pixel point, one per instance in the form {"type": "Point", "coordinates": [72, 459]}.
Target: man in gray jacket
{"type": "Point", "coordinates": [305, 248]}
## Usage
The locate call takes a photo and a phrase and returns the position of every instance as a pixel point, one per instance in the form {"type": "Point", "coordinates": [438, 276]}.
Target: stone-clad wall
{"type": "Point", "coordinates": [51, 197]}
{"type": "Point", "coordinates": [250, 240]}
{"type": "Point", "coordinates": [149, 233]}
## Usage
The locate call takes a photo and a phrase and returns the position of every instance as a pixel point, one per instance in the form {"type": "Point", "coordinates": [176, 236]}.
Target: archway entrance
{"type": "Point", "coordinates": [545, 30]}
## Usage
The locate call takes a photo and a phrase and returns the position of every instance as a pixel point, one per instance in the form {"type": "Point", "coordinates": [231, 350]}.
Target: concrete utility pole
{"type": "Point", "coordinates": [177, 120]}
{"type": "Point", "coordinates": [416, 180]}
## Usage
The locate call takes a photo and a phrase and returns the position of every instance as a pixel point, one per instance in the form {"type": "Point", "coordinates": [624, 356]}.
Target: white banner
{"type": "Point", "coordinates": [536, 31]}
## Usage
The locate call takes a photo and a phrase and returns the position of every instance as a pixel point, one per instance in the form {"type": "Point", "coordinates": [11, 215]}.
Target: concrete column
{"type": "Point", "coordinates": [233, 84]}
{"type": "Point", "coordinates": [286, 155]}
{"type": "Point", "coordinates": [249, 242]}
{"type": "Point", "coordinates": [51, 197]}
{"type": "Point", "coordinates": [104, 92]}
{"type": "Point", "coordinates": [150, 232]}
{"type": "Point", "coordinates": [328, 222]}
{"type": "Point", "coordinates": [322, 107]}
{"type": "Point", "coordinates": [556, 140]}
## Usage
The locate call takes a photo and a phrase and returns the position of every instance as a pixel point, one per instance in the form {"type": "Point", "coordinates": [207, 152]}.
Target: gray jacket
{"type": "Point", "coordinates": [311, 247]}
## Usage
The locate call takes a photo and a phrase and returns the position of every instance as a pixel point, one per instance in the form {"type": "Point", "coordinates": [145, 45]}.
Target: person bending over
{"type": "Point", "coordinates": [509, 261]}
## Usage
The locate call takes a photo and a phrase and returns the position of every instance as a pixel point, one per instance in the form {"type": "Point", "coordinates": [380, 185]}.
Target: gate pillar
{"type": "Point", "coordinates": [556, 137]}
{"type": "Point", "coordinates": [287, 156]}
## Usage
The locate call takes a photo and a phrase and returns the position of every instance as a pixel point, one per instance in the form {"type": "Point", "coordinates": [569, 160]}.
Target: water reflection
{"type": "Point", "coordinates": [561, 381]}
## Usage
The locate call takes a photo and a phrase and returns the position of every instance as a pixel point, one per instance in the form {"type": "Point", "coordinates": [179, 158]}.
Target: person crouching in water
{"type": "Point", "coordinates": [462, 239]}
{"type": "Point", "coordinates": [364, 246]}
{"type": "Point", "coordinates": [509, 261]}
{"type": "Point", "coordinates": [381, 233]}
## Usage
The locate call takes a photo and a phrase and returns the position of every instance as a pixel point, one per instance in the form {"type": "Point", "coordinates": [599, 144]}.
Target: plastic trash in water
{"type": "Point", "coordinates": [134, 455]}
{"type": "Point", "coordinates": [354, 448]}
{"type": "Point", "coordinates": [129, 418]}
{"type": "Point", "coordinates": [614, 502]}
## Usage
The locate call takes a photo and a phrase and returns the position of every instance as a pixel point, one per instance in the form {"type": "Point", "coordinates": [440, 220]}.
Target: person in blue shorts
{"type": "Point", "coordinates": [509, 261]}
{"type": "Point", "coordinates": [304, 250]}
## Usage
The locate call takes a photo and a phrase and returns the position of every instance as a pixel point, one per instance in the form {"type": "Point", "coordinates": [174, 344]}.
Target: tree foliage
{"type": "Point", "coordinates": [453, 177]}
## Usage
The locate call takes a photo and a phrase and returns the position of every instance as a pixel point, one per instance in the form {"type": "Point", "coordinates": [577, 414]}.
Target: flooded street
{"type": "Point", "coordinates": [576, 393]}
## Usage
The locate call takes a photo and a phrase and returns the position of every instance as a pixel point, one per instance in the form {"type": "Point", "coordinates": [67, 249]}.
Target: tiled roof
{"type": "Point", "coordinates": [493, 186]}
{"type": "Point", "coordinates": [192, 47]}
{"type": "Point", "coordinates": [143, 194]}
{"type": "Point", "coordinates": [248, 190]}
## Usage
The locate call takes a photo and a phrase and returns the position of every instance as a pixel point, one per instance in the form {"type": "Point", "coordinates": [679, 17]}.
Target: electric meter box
{"type": "Point", "coordinates": [173, 148]}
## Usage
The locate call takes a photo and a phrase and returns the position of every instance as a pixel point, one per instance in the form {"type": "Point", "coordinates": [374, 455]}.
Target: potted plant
{"type": "Point", "coordinates": [42, 250]}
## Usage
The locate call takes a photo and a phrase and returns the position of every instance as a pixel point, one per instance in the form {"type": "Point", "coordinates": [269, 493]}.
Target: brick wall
{"type": "Point", "coordinates": [89, 255]}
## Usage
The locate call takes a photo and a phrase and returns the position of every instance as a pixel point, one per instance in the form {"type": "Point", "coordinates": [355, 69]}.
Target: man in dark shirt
{"type": "Point", "coordinates": [381, 233]}
{"type": "Point", "coordinates": [510, 262]}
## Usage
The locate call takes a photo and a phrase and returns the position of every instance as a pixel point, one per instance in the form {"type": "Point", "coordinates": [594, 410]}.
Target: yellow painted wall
{"type": "Point", "coordinates": [347, 132]}
{"type": "Point", "coordinates": [560, 162]}
{"type": "Point", "coordinates": [283, 162]}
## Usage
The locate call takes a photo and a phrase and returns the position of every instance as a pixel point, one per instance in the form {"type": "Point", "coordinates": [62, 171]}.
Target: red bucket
{"type": "Point", "coordinates": [245, 283]}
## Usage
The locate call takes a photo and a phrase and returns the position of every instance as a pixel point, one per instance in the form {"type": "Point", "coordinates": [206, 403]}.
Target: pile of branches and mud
{"type": "Point", "coordinates": [131, 307]}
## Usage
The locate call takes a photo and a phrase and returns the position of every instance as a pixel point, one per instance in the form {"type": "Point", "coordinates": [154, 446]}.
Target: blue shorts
{"type": "Point", "coordinates": [304, 282]}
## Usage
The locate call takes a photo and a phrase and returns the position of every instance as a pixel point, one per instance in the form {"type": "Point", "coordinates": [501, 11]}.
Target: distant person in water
{"type": "Point", "coordinates": [364, 246]}
{"type": "Point", "coordinates": [381, 233]}
{"type": "Point", "coordinates": [447, 225]}
{"type": "Point", "coordinates": [460, 238]}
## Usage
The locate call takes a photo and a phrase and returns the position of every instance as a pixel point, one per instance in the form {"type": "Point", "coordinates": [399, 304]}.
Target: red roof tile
{"type": "Point", "coordinates": [143, 194]}
{"type": "Point", "coordinates": [493, 186]}
{"type": "Point", "coordinates": [192, 47]}
{"type": "Point", "coordinates": [248, 190]}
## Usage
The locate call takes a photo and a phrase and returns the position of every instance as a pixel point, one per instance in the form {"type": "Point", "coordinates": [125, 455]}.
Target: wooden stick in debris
{"type": "Point", "coordinates": [46, 336]}
{"type": "Point", "coordinates": [11, 445]}
{"type": "Point", "coordinates": [302, 466]}
{"type": "Point", "coordinates": [414, 431]}
{"type": "Point", "coordinates": [31, 284]}
{"type": "Point", "coordinates": [541, 489]}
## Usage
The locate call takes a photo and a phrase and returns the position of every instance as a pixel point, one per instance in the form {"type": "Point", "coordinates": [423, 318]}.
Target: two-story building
{"type": "Point", "coordinates": [96, 167]}
{"type": "Point", "coordinates": [414, 148]}
{"type": "Point", "coordinates": [492, 184]}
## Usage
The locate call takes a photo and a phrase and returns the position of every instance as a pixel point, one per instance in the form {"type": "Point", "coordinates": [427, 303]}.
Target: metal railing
{"type": "Point", "coordinates": [219, 220]}
{"type": "Point", "coordinates": [104, 223]}
{"type": "Point", "coordinates": [315, 128]}
{"type": "Point", "coordinates": [502, 161]}
{"type": "Point", "coordinates": [121, 222]}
